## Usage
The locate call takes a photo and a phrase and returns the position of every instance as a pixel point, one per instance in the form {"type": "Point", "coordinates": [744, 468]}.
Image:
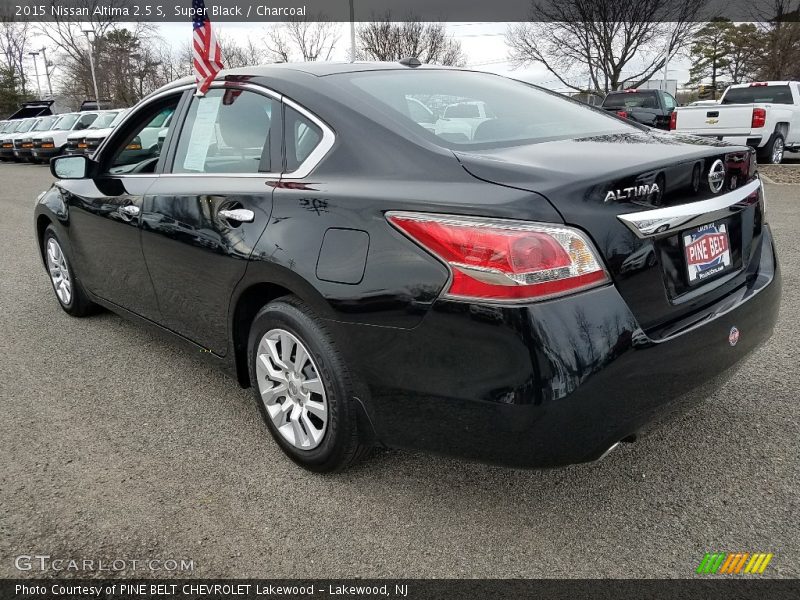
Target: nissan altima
{"type": "Point", "coordinates": [422, 257]}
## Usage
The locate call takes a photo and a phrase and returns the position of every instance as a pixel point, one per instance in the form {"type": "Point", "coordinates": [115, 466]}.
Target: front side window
{"type": "Point", "coordinates": [226, 131]}
{"type": "Point", "coordinates": [477, 109]}
{"type": "Point", "coordinates": [136, 149]}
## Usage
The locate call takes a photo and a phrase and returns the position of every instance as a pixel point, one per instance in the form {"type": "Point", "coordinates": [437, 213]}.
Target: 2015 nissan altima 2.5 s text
{"type": "Point", "coordinates": [421, 257]}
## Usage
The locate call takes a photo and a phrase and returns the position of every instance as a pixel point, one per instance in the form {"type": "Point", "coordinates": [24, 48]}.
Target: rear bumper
{"type": "Point", "coordinates": [553, 383]}
{"type": "Point", "coordinates": [740, 139]}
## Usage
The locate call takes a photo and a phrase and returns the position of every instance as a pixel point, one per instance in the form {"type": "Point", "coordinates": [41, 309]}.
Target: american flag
{"type": "Point", "coordinates": [205, 49]}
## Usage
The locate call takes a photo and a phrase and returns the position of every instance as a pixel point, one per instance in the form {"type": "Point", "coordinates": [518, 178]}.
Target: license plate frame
{"type": "Point", "coordinates": [707, 252]}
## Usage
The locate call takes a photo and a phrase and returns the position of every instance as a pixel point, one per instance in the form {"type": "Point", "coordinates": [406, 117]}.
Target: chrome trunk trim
{"type": "Point", "coordinates": [664, 221]}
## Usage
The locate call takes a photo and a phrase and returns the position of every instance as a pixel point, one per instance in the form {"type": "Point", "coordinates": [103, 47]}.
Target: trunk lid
{"type": "Point", "coordinates": [593, 181]}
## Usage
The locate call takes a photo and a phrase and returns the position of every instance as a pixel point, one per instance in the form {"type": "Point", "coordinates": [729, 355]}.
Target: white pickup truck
{"type": "Point", "coordinates": [764, 115]}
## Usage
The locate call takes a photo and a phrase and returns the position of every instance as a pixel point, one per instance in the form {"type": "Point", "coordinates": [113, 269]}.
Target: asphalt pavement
{"type": "Point", "coordinates": [119, 445]}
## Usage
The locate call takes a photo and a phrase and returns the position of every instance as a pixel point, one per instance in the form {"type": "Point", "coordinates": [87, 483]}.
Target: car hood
{"type": "Point", "coordinates": [98, 133]}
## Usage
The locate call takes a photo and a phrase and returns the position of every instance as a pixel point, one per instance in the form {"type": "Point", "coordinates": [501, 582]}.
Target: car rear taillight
{"type": "Point", "coordinates": [759, 118]}
{"type": "Point", "coordinates": [622, 113]}
{"type": "Point", "coordinates": [758, 84]}
{"type": "Point", "coordinates": [501, 260]}
{"type": "Point", "coordinates": [673, 120]}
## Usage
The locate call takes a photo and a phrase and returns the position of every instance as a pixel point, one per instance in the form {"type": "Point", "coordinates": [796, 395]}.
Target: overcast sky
{"type": "Point", "coordinates": [483, 43]}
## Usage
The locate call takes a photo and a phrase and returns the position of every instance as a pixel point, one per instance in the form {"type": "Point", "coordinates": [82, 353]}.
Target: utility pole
{"type": "Point", "coordinates": [666, 65]}
{"type": "Point", "coordinates": [36, 70]}
{"type": "Point", "coordinates": [91, 65]}
{"type": "Point", "coordinates": [47, 72]}
{"type": "Point", "coordinates": [352, 32]}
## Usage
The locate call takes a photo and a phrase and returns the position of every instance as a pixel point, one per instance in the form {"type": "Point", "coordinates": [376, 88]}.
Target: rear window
{"type": "Point", "coordinates": [631, 100]}
{"type": "Point", "coordinates": [771, 94]}
{"type": "Point", "coordinates": [453, 102]}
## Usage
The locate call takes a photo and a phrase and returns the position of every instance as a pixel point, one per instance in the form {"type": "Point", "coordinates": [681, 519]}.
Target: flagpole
{"type": "Point", "coordinates": [352, 32]}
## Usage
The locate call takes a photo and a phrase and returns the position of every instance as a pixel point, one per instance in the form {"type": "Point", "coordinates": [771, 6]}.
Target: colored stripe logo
{"type": "Point", "coordinates": [734, 563]}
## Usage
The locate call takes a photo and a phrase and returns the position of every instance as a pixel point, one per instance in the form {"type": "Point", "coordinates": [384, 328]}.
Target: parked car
{"type": "Point", "coordinates": [96, 132]}
{"type": "Point", "coordinates": [528, 297]}
{"type": "Point", "coordinates": [460, 120]}
{"type": "Point", "coordinates": [764, 115]}
{"type": "Point", "coordinates": [6, 145]}
{"type": "Point", "coordinates": [648, 107]}
{"type": "Point", "coordinates": [34, 138]}
{"type": "Point", "coordinates": [55, 141]}
{"type": "Point", "coordinates": [12, 142]}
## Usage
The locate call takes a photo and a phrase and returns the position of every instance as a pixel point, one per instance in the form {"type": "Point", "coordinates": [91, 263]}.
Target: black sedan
{"type": "Point", "coordinates": [514, 283]}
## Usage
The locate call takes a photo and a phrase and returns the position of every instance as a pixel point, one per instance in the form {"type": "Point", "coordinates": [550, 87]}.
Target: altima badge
{"type": "Point", "coordinates": [634, 192]}
{"type": "Point", "coordinates": [733, 336]}
{"type": "Point", "coordinates": [716, 176]}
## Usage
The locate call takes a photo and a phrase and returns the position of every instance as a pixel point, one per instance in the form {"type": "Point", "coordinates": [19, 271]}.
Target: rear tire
{"type": "Point", "coordinates": [772, 153]}
{"type": "Point", "coordinates": [303, 387]}
{"type": "Point", "coordinates": [66, 285]}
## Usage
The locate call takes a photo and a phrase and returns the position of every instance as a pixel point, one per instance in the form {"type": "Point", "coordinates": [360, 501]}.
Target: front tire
{"type": "Point", "coordinates": [68, 289]}
{"type": "Point", "coordinates": [772, 153]}
{"type": "Point", "coordinates": [303, 388]}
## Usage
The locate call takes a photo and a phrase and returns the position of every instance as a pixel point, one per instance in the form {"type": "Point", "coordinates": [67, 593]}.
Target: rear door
{"type": "Point", "coordinates": [204, 215]}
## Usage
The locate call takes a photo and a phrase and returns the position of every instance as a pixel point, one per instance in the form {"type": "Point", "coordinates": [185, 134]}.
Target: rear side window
{"type": "Point", "coordinates": [477, 109]}
{"type": "Point", "coordinates": [755, 94]}
{"type": "Point", "coordinates": [302, 136]}
{"type": "Point", "coordinates": [226, 131]}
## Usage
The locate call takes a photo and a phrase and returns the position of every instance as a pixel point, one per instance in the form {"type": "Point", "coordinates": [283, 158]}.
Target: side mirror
{"type": "Point", "coordinates": [72, 167]}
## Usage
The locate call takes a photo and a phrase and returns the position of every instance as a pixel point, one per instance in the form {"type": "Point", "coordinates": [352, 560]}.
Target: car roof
{"type": "Point", "coordinates": [317, 68]}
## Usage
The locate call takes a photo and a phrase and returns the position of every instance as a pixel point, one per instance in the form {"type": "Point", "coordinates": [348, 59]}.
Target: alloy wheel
{"type": "Point", "coordinates": [777, 151]}
{"type": "Point", "coordinates": [291, 389]}
{"type": "Point", "coordinates": [59, 272]}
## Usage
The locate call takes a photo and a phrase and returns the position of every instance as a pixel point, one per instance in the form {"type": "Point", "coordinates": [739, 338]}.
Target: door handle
{"type": "Point", "coordinates": [242, 215]}
{"type": "Point", "coordinates": [130, 210]}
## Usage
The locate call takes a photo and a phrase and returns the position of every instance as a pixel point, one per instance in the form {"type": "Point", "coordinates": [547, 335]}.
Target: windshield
{"type": "Point", "coordinates": [66, 122]}
{"type": "Point", "coordinates": [773, 94]}
{"type": "Point", "coordinates": [631, 100]}
{"type": "Point", "coordinates": [26, 125]}
{"type": "Point", "coordinates": [120, 115]}
{"type": "Point", "coordinates": [103, 120]}
{"type": "Point", "coordinates": [513, 112]}
{"type": "Point", "coordinates": [45, 124]}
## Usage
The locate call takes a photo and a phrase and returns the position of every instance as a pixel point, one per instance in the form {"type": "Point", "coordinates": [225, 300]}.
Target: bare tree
{"type": "Point", "coordinates": [234, 55]}
{"type": "Point", "coordinates": [15, 40]}
{"type": "Point", "coordinates": [392, 41]}
{"type": "Point", "coordinates": [306, 39]}
{"type": "Point", "coordinates": [613, 42]}
{"type": "Point", "coordinates": [780, 23]}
